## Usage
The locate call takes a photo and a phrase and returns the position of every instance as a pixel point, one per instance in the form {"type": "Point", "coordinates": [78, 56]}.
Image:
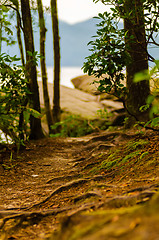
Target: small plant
{"type": "Point", "coordinates": [11, 163]}
{"type": "Point", "coordinates": [103, 113]}
{"type": "Point", "coordinates": [73, 126]}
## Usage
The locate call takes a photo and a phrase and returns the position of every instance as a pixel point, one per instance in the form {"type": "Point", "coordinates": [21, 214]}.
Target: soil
{"type": "Point", "coordinates": [100, 186]}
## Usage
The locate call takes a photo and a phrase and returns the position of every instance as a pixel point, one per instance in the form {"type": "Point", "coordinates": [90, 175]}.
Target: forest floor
{"type": "Point", "coordinates": [100, 186]}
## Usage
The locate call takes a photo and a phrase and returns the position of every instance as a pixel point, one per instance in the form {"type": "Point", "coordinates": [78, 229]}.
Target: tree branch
{"type": "Point", "coordinates": [14, 8]}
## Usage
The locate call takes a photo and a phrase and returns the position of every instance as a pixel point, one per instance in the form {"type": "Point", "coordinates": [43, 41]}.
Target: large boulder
{"type": "Point", "coordinates": [85, 83]}
{"type": "Point", "coordinates": [77, 102]}
{"type": "Point", "coordinates": [88, 84]}
{"type": "Point", "coordinates": [74, 101]}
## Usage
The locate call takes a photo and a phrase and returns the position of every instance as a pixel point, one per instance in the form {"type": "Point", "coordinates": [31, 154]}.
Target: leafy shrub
{"type": "Point", "coordinates": [73, 126]}
{"type": "Point", "coordinates": [152, 100]}
{"type": "Point", "coordinates": [14, 113]}
{"type": "Point", "coordinates": [108, 55]}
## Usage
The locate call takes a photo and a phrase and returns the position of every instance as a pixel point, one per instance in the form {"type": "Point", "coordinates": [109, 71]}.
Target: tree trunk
{"type": "Point", "coordinates": [1, 25]}
{"type": "Point", "coordinates": [43, 65]}
{"type": "Point", "coordinates": [56, 44]}
{"type": "Point", "coordinates": [19, 39]}
{"type": "Point", "coordinates": [20, 44]}
{"type": "Point", "coordinates": [136, 47]}
{"type": "Point", "coordinates": [35, 123]}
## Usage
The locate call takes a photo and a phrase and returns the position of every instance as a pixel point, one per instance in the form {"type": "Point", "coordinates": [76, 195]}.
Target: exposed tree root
{"type": "Point", "coordinates": [64, 187]}
{"type": "Point", "coordinates": [127, 201]}
{"type": "Point", "coordinates": [138, 189]}
{"type": "Point", "coordinates": [106, 136]}
{"type": "Point", "coordinates": [63, 177]}
{"type": "Point", "coordinates": [101, 177]}
{"type": "Point", "coordinates": [69, 185]}
{"type": "Point", "coordinates": [91, 146]}
{"type": "Point", "coordinates": [104, 147]}
{"type": "Point", "coordinates": [91, 165]}
{"type": "Point", "coordinates": [98, 146]}
{"type": "Point", "coordinates": [85, 196]}
{"type": "Point", "coordinates": [152, 187]}
{"type": "Point", "coordinates": [145, 180]}
{"type": "Point", "coordinates": [81, 159]}
{"type": "Point", "coordinates": [95, 149]}
{"type": "Point", "coordinates": [85, 160]}
{"type": "Point", "coordinates": [31, 218]}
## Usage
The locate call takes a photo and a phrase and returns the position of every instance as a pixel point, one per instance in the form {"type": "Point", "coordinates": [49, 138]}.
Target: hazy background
{"type": "Point", "coordinates": [74, 11]}
{"type": "Point", "coordinates": [76, 26]}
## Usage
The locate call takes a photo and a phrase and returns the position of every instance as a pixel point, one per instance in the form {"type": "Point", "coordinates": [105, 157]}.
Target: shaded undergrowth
{"type": "Point", "coordinates": [131, 156]}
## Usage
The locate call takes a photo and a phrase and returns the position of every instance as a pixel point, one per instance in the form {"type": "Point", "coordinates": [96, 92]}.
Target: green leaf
{"type": "Point", "coordinates": [33, 112]}
{"type": "Point", "coordinates": [155, 122]}
{"type": "Point", "coordinates": [154, 110]}
{"type": "Point", "coordinates": [157, 64]}
{"type": "Point", "coordinates": [141, 76]}
{"type": "Point", "coordinates": [150, 99]}
{"type": "Point", "coordinates": [15, 2]}
{"type": "Point", "coordinates": [101, 16]}
{"type": "Point", "coordinates": [153, 70]}
{"type": "Point", "coordinates": [4, 8]}
{"type": "Point", "coordinates": [30, 53]}
{"type": "Point", "coordinates": [144, 108]}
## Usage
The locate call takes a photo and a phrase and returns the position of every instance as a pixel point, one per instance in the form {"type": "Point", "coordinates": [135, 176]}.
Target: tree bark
{"type": "Point", "coordinates": [35, 123]}
{"type": "Point", "coordinates": [20, 39]}
{"type": "Point", "coordinates": [43, 65]}
{"type": "Point", "coordinates": [1, 26]}
{"type": "Point", "coordinates": [137, 49]}
{"type": "Point", "coordinates": [56, 44]}
{"type": "Point", "coordinates": [20, 44]}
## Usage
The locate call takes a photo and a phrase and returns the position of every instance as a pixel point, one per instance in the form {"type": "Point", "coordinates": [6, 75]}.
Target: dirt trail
{"type": "Point", "coordinates": [53, 190]}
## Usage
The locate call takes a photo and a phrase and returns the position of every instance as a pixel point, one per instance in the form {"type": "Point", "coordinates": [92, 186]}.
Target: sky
{"type": "Point", "coordinates": [73, 11]}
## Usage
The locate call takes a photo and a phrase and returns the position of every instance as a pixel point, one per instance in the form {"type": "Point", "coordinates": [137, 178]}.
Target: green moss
{"type": "Point", "coordinates": [97, 221]}
{"type": "Point", "coordinates": [124, 157]}
{"type": "Point", "coordinates": [130, 156]}
{"type": "Point", "coordinates": [133, 145]}
{"type": "Point", "coordinates": [108, 164]}
{"type": "Point", "coordinates": [112, 160]}
{"type": "Point", "coordinates": [143, 155]}
{"type": "Point", "coordinates": [80, 231]}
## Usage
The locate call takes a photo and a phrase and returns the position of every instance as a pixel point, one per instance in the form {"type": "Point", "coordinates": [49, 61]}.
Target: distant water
{"type": "Point", "coordinates": [67, 73]}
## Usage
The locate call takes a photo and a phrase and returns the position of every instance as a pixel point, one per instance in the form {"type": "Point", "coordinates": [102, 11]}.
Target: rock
{"type": "Point", "coordinates": [74, 101]}
{"type": "Point", "coordinates": [85, 83]}
{"type": "Point", "coordinates": [86, 105]}
{"type": "Point", "coordinates": [114, 105]}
